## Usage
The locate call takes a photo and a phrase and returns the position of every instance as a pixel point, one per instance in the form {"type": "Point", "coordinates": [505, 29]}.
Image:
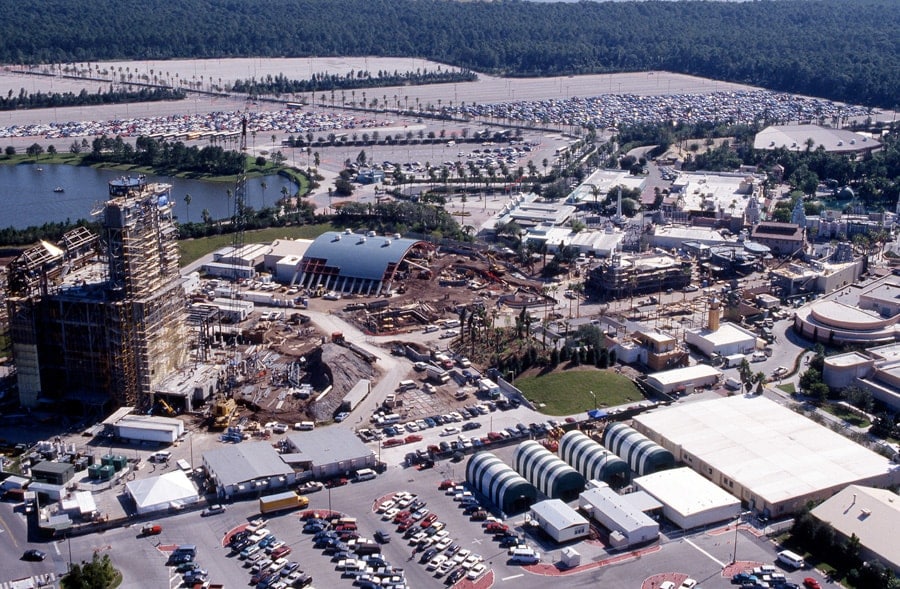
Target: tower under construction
{"type": "Point", "coordinates": [101, 319]}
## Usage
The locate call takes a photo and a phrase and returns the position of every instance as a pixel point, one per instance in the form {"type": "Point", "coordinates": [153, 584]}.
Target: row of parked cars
{"type": "Point", "coordinates": [355, 556]}
{"type": "Point", "coordinates": [267, 558]}
{"type": "Point", "coordinates": [183, 558]}
{"type": "Point", "coordinates": [517, 549]}
{"type": "Point", "coordinates": [768, 577]}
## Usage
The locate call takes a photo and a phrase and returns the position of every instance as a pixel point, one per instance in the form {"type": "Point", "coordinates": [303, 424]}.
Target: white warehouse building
{"type": "Point", "coordinates": [559, 521]}
{"type": "Point", "coordinates": [689, 500]}
{"type": "Point", "coordinates": [684, 380]}
{"type": "Point", "coordinates": [627, 523]}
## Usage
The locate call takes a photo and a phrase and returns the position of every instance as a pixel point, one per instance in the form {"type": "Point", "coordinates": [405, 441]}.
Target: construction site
{"type": "Point", "coordinates": [100, 319]}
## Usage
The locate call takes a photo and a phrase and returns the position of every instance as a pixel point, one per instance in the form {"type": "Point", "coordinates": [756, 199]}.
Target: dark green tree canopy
{"type": "Point", "coordinates": [779, 45]}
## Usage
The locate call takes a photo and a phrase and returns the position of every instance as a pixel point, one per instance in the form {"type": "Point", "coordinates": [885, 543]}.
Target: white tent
{"type": "Point", "coordinates": [172, 490]}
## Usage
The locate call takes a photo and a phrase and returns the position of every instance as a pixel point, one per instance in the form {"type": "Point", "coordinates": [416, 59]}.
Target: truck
{"type": "Point", "coordinates": [282, 502]}
{"type": "Point", "coordinates": [437, 375]}
{"type": "Point", "coordinates": [734, 360]}
{"type": "Point", "coordinates": [489, 388]}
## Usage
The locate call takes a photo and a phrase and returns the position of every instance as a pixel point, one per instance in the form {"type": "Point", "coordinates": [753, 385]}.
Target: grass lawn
{"type": "Point", "coordinates": [846, 415]}
{"type": "Point", "coordinates": [193, 249]}
{"type": "Point", "coordinates": [788, 388]}
{"type": "Point", "coordinates": [565, 392]}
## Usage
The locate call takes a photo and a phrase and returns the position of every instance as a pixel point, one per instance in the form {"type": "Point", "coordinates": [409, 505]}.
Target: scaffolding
{"type": "Point", "coordinates": [102, 317]}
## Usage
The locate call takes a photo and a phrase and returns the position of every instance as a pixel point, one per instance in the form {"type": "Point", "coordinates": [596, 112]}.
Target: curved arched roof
{"type": "Point", "coordinates": [357, 255]}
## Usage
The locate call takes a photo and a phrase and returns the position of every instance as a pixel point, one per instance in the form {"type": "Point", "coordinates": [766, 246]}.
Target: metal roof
{"type": "Point", "coordinates": [558, 514]}
{"type": "Point", "coordinates": [327, 446]}
{"type": "Point", "coordinates": [243, 462]}
{"type": "Point", "coordinates": [357, 255]}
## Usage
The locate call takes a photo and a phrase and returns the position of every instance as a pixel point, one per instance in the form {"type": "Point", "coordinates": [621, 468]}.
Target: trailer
{"type": "Point", "coordinates": [286, 501]}
{"type": "Point", "coordinates": [437, 375]}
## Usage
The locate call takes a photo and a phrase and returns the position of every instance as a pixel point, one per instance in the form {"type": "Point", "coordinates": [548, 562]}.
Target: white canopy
{"type": "Point", "coordinates": [168, 491]}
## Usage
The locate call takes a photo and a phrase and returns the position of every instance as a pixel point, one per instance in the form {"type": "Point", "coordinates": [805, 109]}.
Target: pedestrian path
{"type": "Point", "coordinates": [35, 582]}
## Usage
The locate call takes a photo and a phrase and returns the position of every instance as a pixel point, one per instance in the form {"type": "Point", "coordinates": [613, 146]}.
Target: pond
{"type": "Point", "coordinates": [36, 194]}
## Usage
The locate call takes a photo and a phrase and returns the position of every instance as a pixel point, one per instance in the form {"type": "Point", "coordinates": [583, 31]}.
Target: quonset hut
{"type": "Point", "coordinates": [642, 454]}
{"type": "Point", "coordinates": [553, 477]}
{"type": "Point", "coordinates": [355, 263]}
{"type": "Point", "coordinates": [491, 477]}
{"type": "Point", "coordinates": [592, 460]}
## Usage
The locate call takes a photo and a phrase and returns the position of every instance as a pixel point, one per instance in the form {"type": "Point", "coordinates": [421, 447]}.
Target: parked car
{"type": "Point", "coordinates": [213, 509]}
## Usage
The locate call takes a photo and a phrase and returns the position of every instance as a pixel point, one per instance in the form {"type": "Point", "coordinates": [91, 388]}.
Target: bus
{"type": "Point", "coordinates": [288, 500]}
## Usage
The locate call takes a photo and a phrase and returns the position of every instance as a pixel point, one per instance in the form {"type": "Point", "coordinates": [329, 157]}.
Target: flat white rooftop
{"type": "Point", "coordinates": [686, 492]}
{"type": "Point", "coordinates": [728, 333]}
{"type": "Point", "coordinates": [769, 449]}
{"type": "Point", "coordinates": [848, 359]}
{"type": "Point", "coordinates": [686, 374]}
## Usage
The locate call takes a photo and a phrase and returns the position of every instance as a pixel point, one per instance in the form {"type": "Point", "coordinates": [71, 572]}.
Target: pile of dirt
{"type": "Point", "coordinates": [346, 370]}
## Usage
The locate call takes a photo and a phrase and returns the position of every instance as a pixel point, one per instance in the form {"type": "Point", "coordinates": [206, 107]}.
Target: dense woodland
{"type": "Point", "coordinates": [113, 96]}
{"type": "Point", "coordinates": [281, 84]}
{"type": "Point", "coordinates": [829, 48]}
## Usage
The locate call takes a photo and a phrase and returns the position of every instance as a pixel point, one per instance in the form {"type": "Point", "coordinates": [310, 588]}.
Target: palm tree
{"type": "Point", "coordinates": [187, 203]}
{"type": "Point", "coordinates": [263, 185]}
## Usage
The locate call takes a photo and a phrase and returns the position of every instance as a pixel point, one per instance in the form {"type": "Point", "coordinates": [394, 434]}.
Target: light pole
{"type": "Point", "coordinates": [591, 393]}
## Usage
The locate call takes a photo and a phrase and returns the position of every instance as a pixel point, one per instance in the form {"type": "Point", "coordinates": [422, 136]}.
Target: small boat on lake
{"type": "Point", "coordinates": [59, 189]}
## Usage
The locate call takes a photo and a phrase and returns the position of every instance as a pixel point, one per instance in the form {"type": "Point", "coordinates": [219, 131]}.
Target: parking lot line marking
{"type": "Point", "coordinates": [510, 578]}
{"type": "Point", "coordinates": [708, 555]}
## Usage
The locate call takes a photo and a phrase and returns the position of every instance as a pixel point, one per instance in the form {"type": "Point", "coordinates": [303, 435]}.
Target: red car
{"type": "Point", "coordinates": [279, 552]}
{"type": "Point", "coordinates": [401, 516]}
{"type": "Point", "coordinates": [446, 484]}
{"type": "Point", "coordinates": [338, 482]}
{"type": "Point", "coordinates": [494, 436]}
{"type": "Point", "coordinates": [406, 524]}
{"type": "Point", "coordinates": [412, 438]}
{"type": "Point", "coordinates": [811, 583]}
{"type": "Point", "coordinates": [391, 442]}
{"type": "Point", "coordinates": [496, 528]}
{"type": "Point", "coordinates": [428, 520]}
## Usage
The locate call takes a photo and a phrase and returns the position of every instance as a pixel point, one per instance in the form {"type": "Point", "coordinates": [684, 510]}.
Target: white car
{"type": "Point", "coordinates": [688, 584]}
{"type": "Point", "coordinates": [436, 562]}
{"type": "Point", "coordinates": [390, 513]}
{"type": "Point", "coordinates": [476, 571]}
{"type": "Point", "coordinates": [471, 561]}
{"type": "Point", "coordinates": [445, 567]}
{"type": "Point", "coordinates": [331, 296]}
{"type": "Point", "coordinates": [461, 556]}
{"type": "Point", "coordinates": [386, 505]}
{"type": "Point", "coordinates": [450, 431]}
{"type": "Point", "coordinates": [444, 543]}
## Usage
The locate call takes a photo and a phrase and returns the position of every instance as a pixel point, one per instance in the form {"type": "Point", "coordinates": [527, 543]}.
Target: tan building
{"type": "Point", "coordinates": [783, 239]}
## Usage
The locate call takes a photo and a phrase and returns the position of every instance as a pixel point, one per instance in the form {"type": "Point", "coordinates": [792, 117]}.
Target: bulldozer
{"type": "Point", "coordinates": [223, 411]}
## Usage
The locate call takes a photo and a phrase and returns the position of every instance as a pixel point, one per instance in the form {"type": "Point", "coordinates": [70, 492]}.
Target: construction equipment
{"type": "Point", "coordinates": [223, 411]}
{"type": "Point", "coordinates": [167, 409]}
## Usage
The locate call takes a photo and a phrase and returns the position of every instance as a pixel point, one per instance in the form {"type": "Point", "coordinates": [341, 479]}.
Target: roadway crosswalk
{"type": "Point", "coordinates": [35, 582]}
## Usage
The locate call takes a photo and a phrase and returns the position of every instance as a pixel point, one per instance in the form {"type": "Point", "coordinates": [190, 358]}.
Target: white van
{"type": "Point", "coordinates": [389, 419]}
{"type": "Point", "coordinates": [364, 474]}
{"type": "Point", "coordinates": [524, 556]}
{"type": "Point", "coordinates": [305, 426]}
{"type": "Point", "coordinates": [791, 559]}
{"type": "Point", "coordinates": [406, 385]}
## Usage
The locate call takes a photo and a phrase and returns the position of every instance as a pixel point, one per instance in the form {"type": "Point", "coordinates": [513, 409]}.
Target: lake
{"type": "Point", "coordinates": [27, 194]}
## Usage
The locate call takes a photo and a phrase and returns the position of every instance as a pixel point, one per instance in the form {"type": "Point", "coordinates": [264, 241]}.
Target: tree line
{"type": "Point", "coordinates": [25, 99]}
{"type": "Point", "coordinates": [281, 84]}
{"type": "Point", "coordinates": [776, 45]}
{"type": "Point", "coordinates": [167, 157]}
